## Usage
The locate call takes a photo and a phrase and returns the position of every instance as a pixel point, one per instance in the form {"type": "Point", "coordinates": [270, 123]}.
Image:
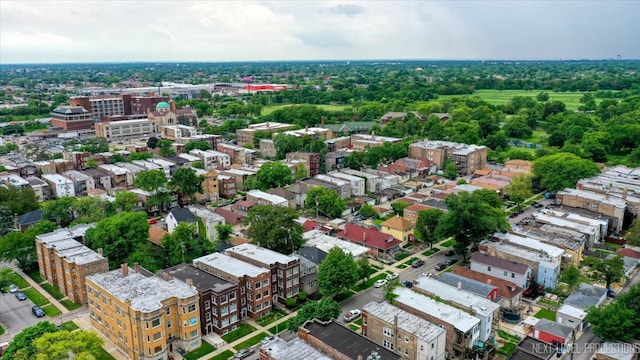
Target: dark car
{"type": "Point", "coordinates": [449, 252]}
{"type": "Point", "coordinates": [451, 261]}
{"type": "Point", "coordinates": [21, 296]}
{"type": "Point", "coordinates": [37, 311]}
{"type": "Point", "coordinates": [440, 266]}
{"type": "Point", "coordinates": [408, 284]}
{"type": "Point", "coordinates": [417, 263]}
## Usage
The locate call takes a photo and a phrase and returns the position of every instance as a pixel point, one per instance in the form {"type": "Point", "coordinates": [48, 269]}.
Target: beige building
{"type": "Point", "coordinates": [467, 158]}
{"type": "Point", "coordinates": [64, 262]}
{"type": "Point", "coordinates": [613, 207]}
{"type": "Point", "coordinates": [245, 136]}
{"type": "Point", "coordinates": [145, 316]}
{"type": "Point", "coordinates": [123, 128]}
{"type": "Point", "coordinates": [398, 227]}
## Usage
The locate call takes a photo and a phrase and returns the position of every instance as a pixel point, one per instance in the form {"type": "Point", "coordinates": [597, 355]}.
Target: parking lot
{"type": "Point", "coordinates": [15, 315]}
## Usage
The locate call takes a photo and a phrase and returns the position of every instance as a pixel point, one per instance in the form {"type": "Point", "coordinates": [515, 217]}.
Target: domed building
{"type": "Point", "coordinates": [166, 114]}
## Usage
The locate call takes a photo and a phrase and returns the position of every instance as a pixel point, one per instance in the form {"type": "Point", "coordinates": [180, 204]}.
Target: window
{"type": "Point", "coordinates": [387, 331]}
{"type": "Point", "coordinates": [513, 275]}
{"type": "Point", "coordinates": [266, 293]}
{"type": "Point", "coordinates": [488, 268]}
{"type": "Point", "coordinates": [194, 333]}
{"type": "Point", "coordinates": [406, 351]}
{"type": "Point", "coordinates": [258, 296]}
{"type": "Point", "coordinates": [265, 282]}
{"type": "Point", "coordinates": [388, 344]}
{"type": "Point", "coordinates": [406, 339]}
{"type": "Point", "coordinates": [169, 324]}
{"type": "Point", "coordinates": [258, 285]}
{"type": "Point", "coordinates": [157, 336]}
{"type": "Point", "coordinates": [433, 345]}
{"type": "Point", "coordinates": [223, 299]}
{"type": "Point", "coordinates": [207, 304]}
{"type": "Point", "coordinates": [232, 296]}
{"type": "Point", "coordinates": [155, 322]}
{"type": "Point", "coordinates": [505, 273]}
{"type": "Point", "coordinates": [232, 307]}
{"type": "Point", "coordinates": [192, 308]}
{"type": "Point", "coordinates": [208, 316]}
{"type": "Point", "coordinates": [193, 321]}
{"type": "Point", "coordinates": [242, 291]}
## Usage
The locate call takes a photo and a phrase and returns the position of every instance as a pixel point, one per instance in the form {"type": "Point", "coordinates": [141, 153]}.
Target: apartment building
{"type": "Point", "coordinates": [146, 317]}
{"type": "Point", "coordinates": [357, 183]}
{"type": "Point", "coordinates": [227, 186]}
{"type": "Point", "coordinates": [572, 242]}
{"type": "Point", "coordinates": [285, 270]}
{"type": "Point", "coordinates": [100, 106]}
{"type": "Point", "coordinates": [101, 180]}
{"type": "Point", "coordinates": [209, 219]}
{"type": "Point", "coordinates": [177, 132]}
{"type": "Point", "coordinates": [212, 159]}
{"type": "Point", "coordinates": [343, 186]}
{"type": "Point", "coordinates": [78, 158]}
{"type": "Point", "coordinates": [402, 332]}
{"type": "Point", "coordinates": [71, 118]}
{"type": "Point", "coordinates": [467, 158]}
{"type": "Point", "coordinates": [509, 292]}
{"type": "Point", "coordinates": [484, 309]}
{"type": "Point", "coordinates": [312, 132]}
{"type": "Point", "coordinates": [411, 212]}
{"type": "Point", "coordinates": [124, 128]}
{"type": "Point", "coordinates": [40, 187]}
{"type": "Point", "coordinates": [262, 198]}
{"type": "Point", "coordinates": [373, 183]}
{"type": "Point", "coordinates": [361, 142]}
{"type": "Point", "coordinates": [254, 282]}
{"type": "Point", "coordinates": [238, 154]}
{"type": "Point", "coordinates": [617, 182]}
{"type": "Point", "coordinates": [81, 182]}
{"type": "Point", "coordinates": [462, 329]}
{"type": "Point", "coordinates": [219, 298]}
{"type": "Point", "coordinates": [312, 161]}
{"type": "Point", "coordinates": [65, 262]}
{"type": "Point", "coordinates": [14, 180]}
{"type": "Point", "coordinates": [592, 232]}
{"type": "Point", "coordinates": [60, 186]}
{"type": "Point", "coordinates": [246, 136]}
{"type": "Point", "coordinates": [320, 240]}
{"type": "Point", "coordinates": [476, 287]}
{"type": "Point", "coordinates": [604, 204]}
{"type": "Point", "coordinates": [515, 272]}
{"type": "Point", "coordinates": [120, 177]}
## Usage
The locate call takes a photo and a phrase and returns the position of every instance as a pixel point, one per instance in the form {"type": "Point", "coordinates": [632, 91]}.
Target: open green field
{"type": "Point", "coordinates": [269, 109]}
{"type": "Point", "coordinates": [501, 97]}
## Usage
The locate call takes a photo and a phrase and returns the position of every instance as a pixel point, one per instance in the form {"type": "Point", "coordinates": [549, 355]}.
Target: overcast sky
{"type": "Point", "coordinates": [106, 31]}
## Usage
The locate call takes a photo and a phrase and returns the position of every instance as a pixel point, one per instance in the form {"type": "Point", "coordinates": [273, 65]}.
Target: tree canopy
{"type": "Point", "coordinates": [275, 227]}
{"type": "Point", "coordinates": [619, 320]}
{"type": "Point", "coordinates": [22, 346]}
{"type": "Point", "coordinates": [337, 272]}
{"type": "Point", "coordinates": [18, 200]}
{"type": "Point", "coordinates": [427, 226]}
{"type": "Point", "coordinates": [562, 170]}
{"type": "Point", "coordinates": [187, 183]}
{"type": "Point", "coordinates": [273, 175]}
{"type": "Point", "coordinates": [21, 246]}
{"type": "Point", "coordinates": [519, 189]}
{"type": "Point", "coordinates": [327, 201]}
{"type": "Point", "coordinates": [57, 345]}
{"type": "Point", "coordinates": [325, 309]}
{"type": "Point", "coordinates": [119, 236]}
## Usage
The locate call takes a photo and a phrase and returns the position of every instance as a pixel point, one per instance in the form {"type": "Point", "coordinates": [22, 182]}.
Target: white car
{"type": "Point", "coordinates": [352, 315]}
{"type": "Point", "coordinates": [13, 288]}
{"type": "Point", "coordinates": [380, 283]}
{"type": "Point", "coordinates": [392, 276]}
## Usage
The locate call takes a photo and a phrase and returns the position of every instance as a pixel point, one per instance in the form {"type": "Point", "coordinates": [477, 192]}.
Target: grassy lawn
{"type": "Point", "coordinates": [250, 342]}
{"type": "Point", "coordinates": [223, 355]}
{"type": "Point", "coordinates": [203, 350]}
{"type": "Point", "coordinates": [269, 109]}
{"type": "Point", "coordinates": [54, 291]}
{"type": "Point", "coordinates": [69, 326]}
{"type": "Point", "coordinates": [402, 256]}
{"type": "Point", "coordinates": [613, 245]}
{"type": "Point", "coordinates": [70, 305]}
{"type": "Point", "coordinates": [546, 314]}
{"type": "Point", "coordinates": [507, 349]}
{"type": "Point", "coordinates": [51, 310]}
{"type": "Point", "coordinates": [354, 327]}
{"type": "Point", "coordinates": [278, 328]}
{"type": "Point", "coordinates": [358, 321]}
{"type": "Point", "coordinates": [430, 252]}
{"type": "Point", "coordinates": [104, 355]}
{"type": "Point", "coordinates": [403, 266]}
{"type": "Point", "coordinates": [36, 297]}
{"type": "Point", "coordinates": [19, 281]}
{"type": "Point", "coordinates": [549, 302]}
{"type": "Point", "coordinates": [238, 333]}
{"type": "Point", "coordinates": [344, 295]}
{"type": "Point", "coordinates": [505, 335]}
{"type": "Point", "coordinates": [1, 330]}
{"type": "Point", "coordinates": [35, 275]}
{"type": "Point", "coordinates": [269, 318]}
{"type": "Point", "coordinates": [502, 97]}
{"type": "Point", "coordinates": [369, 283]}
{"type": "Point", "coordinates": [448, 243]}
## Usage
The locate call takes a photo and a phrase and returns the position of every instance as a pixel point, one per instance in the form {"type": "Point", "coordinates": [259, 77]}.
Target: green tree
{"type": "Point", "coordinates": [519, 189]}
{"type": "Point", "coordinates": [571, 276]}
{"type": "Point", "coordinates": [301, 172]}
{"type": "Point", "coordinates": [18, 201]}
{"type": "Point", "coordinates": [399, 206]}
{"type": "Point", "coordinates": [633, 233]}
{"type": "Point", "coordinates": [562, 170]}
{"type": "Point", "coordinates": [542, 96]}
{"type": "Point", "coordinates": [470, 219]}
{"type": "Point", "coordinates": [24, 341]}
{"type": "Point", "coordinates": [6, 221]}
{"type": "Point", "coordinates": [6, 277]}
{"type": "Point", "coordinates": [614, 322]}
{"type": "Point", "coordinates": [224, 232]}
{"type": "Point", "coordinates": [60, 211]}
{"type": "Point", "coordinates": [610, 269]}
{"type": "Point", "coordinates": [125, 201]}
{"type": "Point", "coordinates": [427, 226]}
{"type": "Point", "coordinates": [143, 155]}
{"type": "Point", "coordinates": [337, 272]}
{"type": "Point", "coordinates": [368, 211]}
{"type": "Point", "coordinates": [187, 183]}
{"type": "Point", "coordinates": [57, 345]}
{"type": "Point", "coordinates": [198, 164]}
{"type": "Point", "coordinates": [183, 245]}
{"type": "Point", "coordinates": [166, 148]}
{"type": "Point", "coordinates": [450, 170]}
{"type": "Point", "coordinates": [91, 163]}
{"type": "Point", "coordinates": [326, 202]}
{"type": "Point", "coordinates": [152, 142]}
{"type": "Point", "coordinates": [119, 236]}
{"type": "Point", "coordinates": [200, 145]}
{"type": "Point", "coordinates": [21, 247]}
{"type": "Point", "coordinates": [388, 289]}
{"type": "Point", "coordinates": [273, 175]}
{"type": "Point", "coordinates": [324, 310]}
{"type": "Point", "coordinates": [155, 182]}
{"type": "Point", "coordinates": [275, 228]}
{"type": "Point", "coordinates": [364, 268]}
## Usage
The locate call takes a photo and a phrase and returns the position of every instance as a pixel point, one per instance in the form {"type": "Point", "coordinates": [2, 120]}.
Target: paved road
{"type": "Point", "coordinates": [15, 315]}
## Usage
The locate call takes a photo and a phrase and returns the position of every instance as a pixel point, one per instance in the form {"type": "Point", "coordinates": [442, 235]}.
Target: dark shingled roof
{"type": "Point", "coordinates": [30, 217]}
{"type": "Point", "coordinates": [312, 254]}
{"type": "Point", "coordinates": [512, 266]}
{"type": "Point", "coordinates": [346, 341]}
{"type": "Point", "coordinates": [183, 215]}
{"type": "Point", "coordinates": [467, 284]}
{"type": "Point", "coordinates": [202, 280]}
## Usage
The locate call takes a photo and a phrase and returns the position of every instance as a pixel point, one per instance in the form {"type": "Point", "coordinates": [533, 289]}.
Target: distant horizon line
{"type": "Point", "coordinates": [178, 62]}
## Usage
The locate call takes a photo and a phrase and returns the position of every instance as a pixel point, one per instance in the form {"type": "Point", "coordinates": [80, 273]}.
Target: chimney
{"type": "Point", "coordinates": [624, 194]}
{"type": "Point", "coordinates": [459, 285]}
{"type": "Point", "coordinates": [124, 269]}
{"type": "Point", "coordinates": [189, 282]}
{"type": "Point", "coordinates": [166, 276]}
{"type": "Point", "coordinates": [489, 281]}
{"type": "Point", "coordinates": [364, 236]}
{"type": "Point", "coordinates": [99, 251]}
{"type": "Point", "coordinates": [136, 267]}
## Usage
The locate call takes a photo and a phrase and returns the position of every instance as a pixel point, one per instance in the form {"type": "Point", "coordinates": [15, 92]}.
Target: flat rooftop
{"type": "Point", "coordinates": [294, 349]}
{"type": "Point", "coordinates": [269, 197]}
{"type": "Point", "coordinates": [529, 243]}
{"type": "Point", "coordinates": [261, 254]}
{"type": "Point", "coordinates": [467, 284]}
{"type": "Point", "coordinates": [560, 237]}
{"type": "Point", "coordinates": [230, 265]}
{"type": "Point", "coordinates": [530, 255]}
{"type": "Point", "coordinates": [479, 304]}
{"type": "Point", "coordinates": [421, 328]}
{"type": "Point", "coordinates": [145, 293]}
{"type": "Point", "coordinates": [605, 199]}
{"type": "Point", "coordinates": [583, 228]}
{"type": "Point", "coordinates": [324, 242]}
{"type": "Point", "coordinates": [459, 319]}
{"type": "Point", "coordinates": [202, 280]}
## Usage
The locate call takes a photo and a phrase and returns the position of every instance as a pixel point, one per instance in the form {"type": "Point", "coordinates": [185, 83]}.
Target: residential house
{"type": "Point", "coordinates": [510, 293]}
{"type": "Point", "coordinates": [26, 220]}
{"type": "Point", "coordinates": [40, 187]}
{"type": "Point", "coordinates": [504, 269]}
{"type": "Point", "coordinates": [572, 242]}
{"type": "Point", "coordinates": [285, 194]}
{"type": "Point", "coordinates": [146, 317]}
{"type": "Point", "coordinates": [60, 185]}
{"type": "Point", "coordinates": [403, 332]}
{"type": "Point", "coordinates": [319, 239]}
{"type": "Point", "coordinates": [573, 311]}
{"type": "Point", "coordinates": [254, 282]}
{"type": "Point", "coordinates": [476, 287]}
{"type": "Point", "coordinates": [211, 186]}
{"type": "Point", "coordinates": [262, 198]}
{"type": "Point", "coordinates": [219, 299]}
{"type": "Point", "coordinates": [467, 158]}
{"type": "Point", "coordinates": [81, 182]}
{"type": "Point", "coordinates": [285, 270]}
{"type": "Point", "coordinates": [372, 182]}
{"type": "Point", "coordinates": [309, 269]}
{"type": "Point", "coordinates": [177, 216]}
{"type": "Point", "coordinates": [343, 186]}
{"type": "Point", "coordinates": [551, 332]}
{"type": "Point", "coordinates": [294, 349]}
{"type": "Point", "coordinates": [239, 176]}
{"type": "Point", "coordinates": [120, 177]}
{"type": "Point", "coordinates": [237, 154]}
{"type": "Point", "coordinates": [227, 186]}
{"type": "Point", "coordinates": [210, 220]}
{"type": "Point", "coordinates": [101, 180]}
{"type": "Point", "coordinates": [410, 213]}
{"type": "Point", "coordinates": [356, 183]}
{"type": "Point", "coordinates": [311, 161]}
{"type": "Point", "coordinates": [64, 261]}
{"type": "Point", "coordinates": [378, 243]}
{"type": "Point", "coordinates": [398, 227]}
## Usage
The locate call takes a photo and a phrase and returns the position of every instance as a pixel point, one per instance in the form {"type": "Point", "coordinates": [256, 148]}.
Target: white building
{"type": "Point", "coordinates": [373, 182]}
{"type": "Point", "coordinates": [324, 242]}
{"type": "Point", "coordinates": [357, 183]}
{"type": "Point", "coordinates": [60, 185]}
{"type": "Point", "coordinates": [263, 198]}
{"type": "Point", "coordinates": [210, 219]}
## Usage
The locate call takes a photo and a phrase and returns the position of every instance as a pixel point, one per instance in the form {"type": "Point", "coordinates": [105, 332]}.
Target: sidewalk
{"type": "Point", "coordinates": [42, 291]}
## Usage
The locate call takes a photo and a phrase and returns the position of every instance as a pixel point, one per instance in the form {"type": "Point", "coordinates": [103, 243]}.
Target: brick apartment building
{"type": "Point", "coordinates": [246, 136]}
{"type": "Point", "coordinates": [467, 158]}
{"type": "Point", "coordinates": [101, 106]}
{"type": "Point", "coordinates": [219, 298]}
{"type": "Point", "coordinates": [254, 282]}
{"type": "Point", "coordinates": [145, 316]}
{"type": "Point", "coordinates": [71, 118]}
{"type": "Point", "coordinates": [311, 161]}
{"type": "Point", "coordinates": [65, 263]}
{"type": "Point", "coordinates": [613, 207]}
{"type": "Point", "coordinates": [285, 270]}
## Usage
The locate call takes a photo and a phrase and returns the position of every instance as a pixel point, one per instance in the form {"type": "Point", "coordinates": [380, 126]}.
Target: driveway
{"type": "Point", "coordinates": [15, 315]}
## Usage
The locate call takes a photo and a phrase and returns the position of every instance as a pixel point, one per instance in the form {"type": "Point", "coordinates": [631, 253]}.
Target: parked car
{"type": "Point", "coordinates": [243, 353]}
{"type": "Point", "coordinates": [21, 296]}
{"type": "Point", "coordinates": [37, 311]}
{"type": "Point", "coordinates": [440, 266]}
{"type": "Point", "coordinates": [408, 284]}
{"type": "Point", "coordinates": [352, 315]}
{"type": "Point", "coordinates": [449, 252]}
{"type": "Point", "coordinates": [267, 339]}
{"type": "Point", "coordinates": [611, 293]}
{"type": "Point", "coordinates": [13, 288]}
{"type": "Point", "coordinates": [451, 261]}
{"type": "Point", "coordinates": [380, 283]}
{"type": "Point", "coordinates": [392, 276]}
{"type": "Point", "coordinates": [536, 205]}
{"type": "Point", "coordinates": [417, 263]}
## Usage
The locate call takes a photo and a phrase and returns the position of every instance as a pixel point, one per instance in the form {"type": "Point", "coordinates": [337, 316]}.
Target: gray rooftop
{"type": "Point", "coordinates": [474, 286]}
{"type": "Point", "coordinates": [145, 293]}
{"type": "Point", "coordinates": [421, 328]}
{"type": "Point", "coordinates": [230, 265]}
{"type": "Point", "coordinates": [261, 254]}
{"type": "Point", "coordinates": [202, 280]}
{"type": "Point", "coordinates": [481, 305]}
{"type": "Point", "coordinates": [293, 350]}
{"type": "Point", "coordinates": [554, 328]}
{"type": "Point", "coordinates": [497, 262]}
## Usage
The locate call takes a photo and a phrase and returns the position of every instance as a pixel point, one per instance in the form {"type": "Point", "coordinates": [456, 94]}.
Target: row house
{"type": "Point", "coordinates": [462, 329]}
{"type": "Point", "coordinates": [372, 182]}
{"type": "Point", "coordinates": [285, 270]}
{"type": "Point", "coordinates": [60, 185]}
{"type": "Point", "coordinates": [312, 161]}
{"type": "Point", "coordinates": [237, 154]}
{"type": "Point", "coordinates": [334, 160]}
{"type": "Point", "coordinates": [254, 282]}
{"type": "Point", "coordinates": [40, 187]}
{"type": "Point", "coordinates": [592, 231]}
{"type": "Point", "coordinates": [146, 317]}
{"type": "Point", "coordinates": [604, 204]}
{"type": "Point", "coordinates": [343, 186]}
{"type": "Point", "coordinates": [212, 159]}
{"type": "Point", "coordinates": [120, 177]}
{"type": "Point", "coordinates": [78, 158]}
{"type": "Point", "coordinates": [238, 175]}
{"type": "Point", "coordinates": [402, 332]}
{"type": "Point", "coordinates": [219, 298]}
{"type": "Point", "coordinates": [101, 180]}
{"type": "Point", "coordinates": [64, 261]}
{"type": "Point", "coordinates": [510, 293]}
{"type": "Point", "coordinates": [82, 182]}
{"type": "Point", "coordinates": [571, 242]}
{"type": "Point", "coordinates": [467, 158]}
{"type": "Point", "coordinates": [616, 182]}
{"type": "Point", "coordinates": [262, 198]}
{"type": "Point", "coordinates": [357, 183]}
{"type": "Point", "coordinates": [518, 273]}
